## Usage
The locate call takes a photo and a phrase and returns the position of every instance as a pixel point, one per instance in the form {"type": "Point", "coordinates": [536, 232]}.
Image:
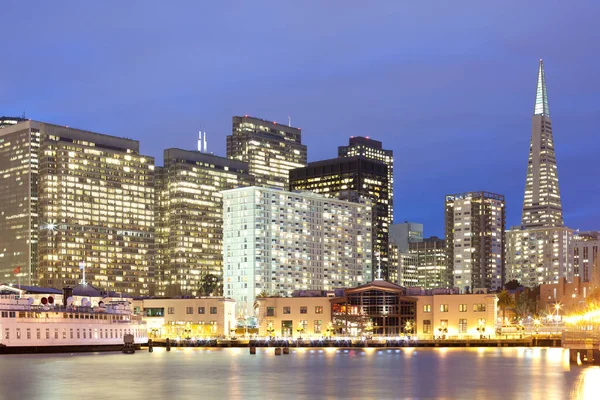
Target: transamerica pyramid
{"type": "Point", "coordinates": [542, 206]}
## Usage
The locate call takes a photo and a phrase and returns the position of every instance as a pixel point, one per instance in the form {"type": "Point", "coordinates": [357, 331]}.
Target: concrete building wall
{"type": "Point", "coordinates": [568, 295]}
{"type": "Point", "coordinates": [281, 312]}
{"type": "Point", "coordinates": [461, 314]}
{"type": "Point", "coordinates": [203, 317]}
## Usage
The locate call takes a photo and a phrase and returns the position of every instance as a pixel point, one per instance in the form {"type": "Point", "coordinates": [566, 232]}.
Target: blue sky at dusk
{"type": "Point", "coordinates": [449, 86]}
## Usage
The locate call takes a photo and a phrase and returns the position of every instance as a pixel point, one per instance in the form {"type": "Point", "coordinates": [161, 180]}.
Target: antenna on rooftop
{"type": "Point", "coordinates": [200, 141]}
{"type": "Point", "coordinates": [205, 147]}
{"type": "Point", "coordinates": [289, 121]}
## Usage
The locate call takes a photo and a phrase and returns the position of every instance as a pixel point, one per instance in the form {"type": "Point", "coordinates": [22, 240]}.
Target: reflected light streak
{"type": "Point", "coordinates": [588, 384]}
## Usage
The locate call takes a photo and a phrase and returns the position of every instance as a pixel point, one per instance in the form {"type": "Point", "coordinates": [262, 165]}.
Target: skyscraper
{"type": "Point", "coordinates": [542, 206]}
{"type": "Point", "coordinates": [277, 241]}
{"type": "Point", "coordinates": [373, 149]}
{"type": "Point", "coordinates": [475, 223]}
{"type": "Point", "coordinates": [96, 211]}
{"type": "Point", "coordinates": [75, 201]}
{"type": "Point", "coordinates": [19, 148]}
{"type": "Point", "coordinates": [539, 251]}
{"type": "Point", "coordinates": [270, 149]}
{"type": "Point", "coordinates": [189, 218]}
{"type": "Point", "coordinates": [364, 176]}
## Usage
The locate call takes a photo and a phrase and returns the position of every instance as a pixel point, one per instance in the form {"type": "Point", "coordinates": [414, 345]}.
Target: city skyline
{"type": "Point", "coordinates": [437, 103]}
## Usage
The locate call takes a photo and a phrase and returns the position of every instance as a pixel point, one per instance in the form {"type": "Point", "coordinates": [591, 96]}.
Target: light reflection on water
{"type": "Point", "coordinates": [187, 373]}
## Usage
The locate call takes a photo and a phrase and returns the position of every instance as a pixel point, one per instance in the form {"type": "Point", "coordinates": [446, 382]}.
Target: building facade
{"type": "Point", "coordinates": [358, 174]}
{"type": "Point", "coordinates": [431, 263]}
{"type": "Point", "coordinates": [95, 211]}
{"type": "Point", "coordinates": [19, 149]}
{"type": "Point", "coordinates": [456, 315]}
{"type": "Point", "coordinates": [570, 296]}
{"type": "Point", "coordinates": [277, 242]}
{"type": "Point", "coordinates": [270, 149]}
{"type": "Point", "coordinates": [586, 260]}
{"type": "Point", "coordinates": [538, 251]}
{"type": "Point", "coordinates": [187, 318]}
{"type": "Point", "coordinates": [540, 255]}
{"type": "Point", "coordinates": [475, 223]}
{"type": "Point", "coordinates": [189, 218]}
{"type": "Point", "coordinates": [404, 233]}
{"type": "Point", "coordinates": [379, 308]}
{"type": "Point", "coordinates": [373, 149]}
{"type": "Point", "coordinates": [301, 316]}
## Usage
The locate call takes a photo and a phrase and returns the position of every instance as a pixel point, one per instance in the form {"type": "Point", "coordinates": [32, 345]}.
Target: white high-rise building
{"type": "Point", "coordinates": [539, 255]}
{"type": "Point", "coordinates": [539, 250]}
{"type": "Point", "coordinates": [474, 239]}
{"type": "Point", "coordinates": [276, 242]}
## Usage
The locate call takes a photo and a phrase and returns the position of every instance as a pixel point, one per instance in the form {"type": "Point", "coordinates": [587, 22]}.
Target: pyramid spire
{"type": "Point", "coordinates": [541, 97]}
{"type": "Point", "coordinates": [542, 206]}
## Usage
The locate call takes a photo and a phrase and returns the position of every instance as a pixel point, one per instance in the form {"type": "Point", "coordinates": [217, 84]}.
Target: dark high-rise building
{"type": "Point", "coordinates": [475, 224]}
{"type": "Point", "coordinates": [367, 177]}
{"type": "Point", "coordinates": [373, 149]}
{"type": "Point", "coordinates": [270, 149]}
{"type": "Point", "coordinates": [189, 218]}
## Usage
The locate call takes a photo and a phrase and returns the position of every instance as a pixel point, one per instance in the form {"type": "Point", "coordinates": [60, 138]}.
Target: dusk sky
{"type": "Point", "coordinates": [448, 86]}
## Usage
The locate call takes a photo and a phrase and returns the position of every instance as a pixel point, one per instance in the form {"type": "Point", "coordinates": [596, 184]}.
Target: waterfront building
{"type": "Point", "coordinates": [456, 315]}
{"type": "Point", "coordinates": [76, 203]}
{"type": "Point", "coordinates": [270, 149]}
{"type": "Point", "coordinates": [475, 223]}
{"type": "Point", "coordinates": [373, 149]}
{"type": "Point", "coordinates": [302, 316]}
{"type": "Point", "coordinates": [538, 251]}
{"type": "Point", "coordinates": [431, 263]}
{"type": "Point", "coordinates": [586, 260]}
{"type": "Point", "coordinates": [277, 242]}
{"type": "Point", "coordinates": [379, 308]}
{"type": "Point", "coordinates": [187, 317]}
{"type": "Point", "coordinates": [359, 174]}
{"type": "Point", "coordinates": [404, 233]}
{"type": "Point", "coordinates": [189, 218]}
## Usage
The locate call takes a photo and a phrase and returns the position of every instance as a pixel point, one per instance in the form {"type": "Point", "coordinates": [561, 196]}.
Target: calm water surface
{"type": "Point", "coordinates": [490, 373]}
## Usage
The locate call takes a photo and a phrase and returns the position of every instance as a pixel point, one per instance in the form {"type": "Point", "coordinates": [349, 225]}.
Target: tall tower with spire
{"type": "Point", "coordinates": [539, 251]}
{"type": "Point", "coordinates": [542, 206]}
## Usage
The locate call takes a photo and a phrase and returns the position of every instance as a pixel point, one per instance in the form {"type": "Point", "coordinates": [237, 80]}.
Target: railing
{"type": "Point", "coordinates": [60, 308]}
{"type": "Point", "coordinates": [590, 338]}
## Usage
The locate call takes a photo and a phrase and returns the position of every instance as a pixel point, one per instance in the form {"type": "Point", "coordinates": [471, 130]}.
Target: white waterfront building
{"type": "Point", "coordinates": [276, 242]}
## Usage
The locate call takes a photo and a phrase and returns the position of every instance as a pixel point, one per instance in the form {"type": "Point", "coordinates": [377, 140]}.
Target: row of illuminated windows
{"type": "Point", "coordinates": [477, 307]}
{"type": "Point", "coordinates": [288, 310]}
{"type": "Point", "coordinates": [462, 326]}
{"type": "Point", "coordinates": [287, 327]}
{"type": "Point", "coordinates": [74, 333]}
